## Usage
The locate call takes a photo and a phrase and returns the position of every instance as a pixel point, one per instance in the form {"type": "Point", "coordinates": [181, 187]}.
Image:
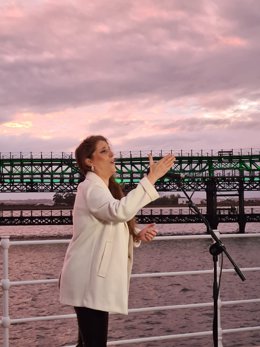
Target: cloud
{"type": "Point", "coordinates": [127, 69]}
{"type": "Point", "coordinates": [36, 145]}
{"type": "Point", "coordinates": [84, 56]}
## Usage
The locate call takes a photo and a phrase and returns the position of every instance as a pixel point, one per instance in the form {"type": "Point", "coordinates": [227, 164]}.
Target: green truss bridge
{"type": "Point", "coordinates": [221, 173]}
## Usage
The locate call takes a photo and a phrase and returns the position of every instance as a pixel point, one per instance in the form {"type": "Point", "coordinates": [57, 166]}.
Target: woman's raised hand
{"type": "Point", "coordinates": [160, 168]}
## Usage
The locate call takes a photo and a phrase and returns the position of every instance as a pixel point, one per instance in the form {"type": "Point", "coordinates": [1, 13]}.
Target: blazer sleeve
{"type": "Point", "coordinates": [105, 207]}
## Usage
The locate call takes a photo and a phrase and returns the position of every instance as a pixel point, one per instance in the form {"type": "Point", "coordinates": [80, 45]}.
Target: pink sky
{"type": "Point", "coordinates": [168, 74]}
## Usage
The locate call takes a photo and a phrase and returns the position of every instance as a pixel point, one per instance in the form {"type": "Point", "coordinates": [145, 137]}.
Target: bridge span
{"type": "Point", "coordinates": [218, 174]}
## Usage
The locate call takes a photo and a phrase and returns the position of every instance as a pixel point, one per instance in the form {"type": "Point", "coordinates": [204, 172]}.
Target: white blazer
{"type": "Point", "coordinates": [98, 262]}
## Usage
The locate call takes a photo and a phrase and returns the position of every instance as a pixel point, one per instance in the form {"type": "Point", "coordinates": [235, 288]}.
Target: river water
{"type": "Point", "coordinates": [45, 261]}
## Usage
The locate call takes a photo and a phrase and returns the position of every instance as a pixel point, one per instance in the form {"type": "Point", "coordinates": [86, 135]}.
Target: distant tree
{"type": "Point", "coordinates": [166, 200]}
{"type": "Point", "coordinates": [228, 202]}
{"type": "Point", "coordinates": [64, 199]}
{"type": "Point", "coordinates": [69, 198]}
{"type": "Point", "coordinates": [57, 199]}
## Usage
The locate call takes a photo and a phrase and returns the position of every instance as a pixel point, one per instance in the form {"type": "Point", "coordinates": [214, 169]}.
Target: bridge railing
{"type": "Point", "coordinates": [7, 283]}
{"type": "Point", "coordinates": [17, 216]}
{"type": "Point", "coordinates": [127, 154]}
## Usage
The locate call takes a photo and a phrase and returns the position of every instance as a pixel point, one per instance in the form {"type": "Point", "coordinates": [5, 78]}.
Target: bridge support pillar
{"type": "Point", "coordinates": [211, 193]}
{"type": "Point", "coordinates": [241, 204]}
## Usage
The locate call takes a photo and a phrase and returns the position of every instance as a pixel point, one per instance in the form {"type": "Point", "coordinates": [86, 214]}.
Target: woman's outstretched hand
{"type": "Point", "coordinates": [160, 168]}
{"type": "Point", "coordinates": [147, 233]}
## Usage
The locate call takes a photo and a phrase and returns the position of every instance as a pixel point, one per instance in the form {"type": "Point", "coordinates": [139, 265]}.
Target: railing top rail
{"type": "Point", "coordinates": [157, 238]}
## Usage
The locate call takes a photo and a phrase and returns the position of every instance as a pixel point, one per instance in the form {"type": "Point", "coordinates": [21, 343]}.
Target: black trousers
{"type": "Point", "coordinates": [93, 327]}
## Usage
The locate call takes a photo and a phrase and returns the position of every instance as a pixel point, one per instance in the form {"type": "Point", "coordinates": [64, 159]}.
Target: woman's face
{"type": "Point", "coordinates": [103, 160]}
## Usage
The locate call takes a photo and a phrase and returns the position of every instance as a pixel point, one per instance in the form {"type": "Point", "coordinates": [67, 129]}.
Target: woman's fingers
{"type": "Point", "coordinates": [150, 232]}
{"type": "Point", "coordinates": [149, 236]}
{"type": "Point", "coordinates": [151, 161]}
{"type": "Point", "coordinates": [160, 168]}
{"type": "Point", "coordinates": [166, 163]}
{"type": "Point", "coordinates": [169, 159]}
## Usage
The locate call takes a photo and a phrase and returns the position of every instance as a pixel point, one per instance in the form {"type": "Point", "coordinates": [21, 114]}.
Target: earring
{"type": "Point", "coordinates": [92, 168]}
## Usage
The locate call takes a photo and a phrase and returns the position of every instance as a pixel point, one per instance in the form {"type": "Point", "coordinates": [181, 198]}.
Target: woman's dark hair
{"type": "Point", "coordinates": [85, 150]}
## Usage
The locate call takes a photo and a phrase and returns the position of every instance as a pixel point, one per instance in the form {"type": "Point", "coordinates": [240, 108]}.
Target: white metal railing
{"type": "Point", "coordinates": [6, 283]}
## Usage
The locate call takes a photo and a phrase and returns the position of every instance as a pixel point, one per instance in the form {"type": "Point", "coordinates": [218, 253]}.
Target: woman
{"type": "Point", "coordinates": [98, 262]}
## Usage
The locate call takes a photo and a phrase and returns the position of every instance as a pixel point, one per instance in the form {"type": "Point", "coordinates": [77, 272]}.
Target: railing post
{"type": "Point", "coordinates": [220, 335]}
{"type": "Point", "coordinates": [5, 284]}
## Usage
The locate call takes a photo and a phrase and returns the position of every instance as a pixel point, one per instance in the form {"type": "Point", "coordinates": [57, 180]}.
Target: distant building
{"type": "Point", "coordinates": [225, 153]}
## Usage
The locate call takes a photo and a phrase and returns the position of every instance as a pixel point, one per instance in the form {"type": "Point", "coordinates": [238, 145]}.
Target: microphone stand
{"type": "Point", "coordinates": [215, 250]}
